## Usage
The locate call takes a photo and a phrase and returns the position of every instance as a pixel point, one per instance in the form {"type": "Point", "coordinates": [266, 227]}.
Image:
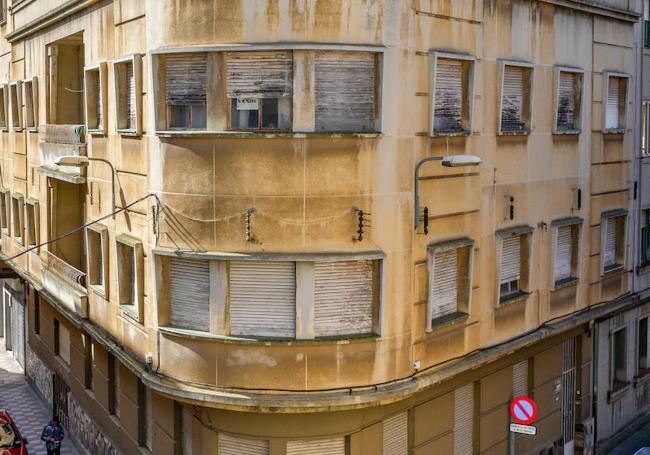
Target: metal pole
{"type": "Point", "coordinates": [112, 180]}
{"type": "Point", "coordinates": [416, 183]}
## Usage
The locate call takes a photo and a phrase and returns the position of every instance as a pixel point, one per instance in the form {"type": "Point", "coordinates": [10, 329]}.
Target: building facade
{"type": "Point", "coordinates": [194, 198]}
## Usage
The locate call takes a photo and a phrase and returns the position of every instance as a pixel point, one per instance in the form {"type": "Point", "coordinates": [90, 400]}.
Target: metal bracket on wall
{"type": "Point", "coordinates": [363, 222]}
{"type": "Point", "coordinates": [248, 220]}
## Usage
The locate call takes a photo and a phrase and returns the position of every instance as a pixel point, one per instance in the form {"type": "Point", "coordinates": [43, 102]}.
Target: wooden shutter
{"type": "Point", "coordinates": [563, 254]}
{"type": "Point", "coordinates": [566, 103]}
{"type": "Point", "coordinates": [259, 74]}
{"type": "Point", "coordinates": [510, 259]}
{"type": "Point", "coordinates": [345, 91]}
{"type": "Point", "coordinates": [317, 447]}
{"type": "Point", "coordinates": [263, 298]}
{"type": "Point", "coordinates": [444, 288]}
{"type": "Point", "coordinates": [512, 107]}
{"type": "Point", "coordinates": [610, 242]}
{"type": "Point", "coordinates": [449, 95]}
{"type": "Point", "coordinates": [230, 445]}
{"type": "Point", "coordinates": [130, 96]}
{"type": "Point", "coordinates": [343, 298]}
{"type": "Point", "coordinates": [520, 379]}
{"type": "Point", "coordinates": [463, 419]}
{"type": "Point", "coordinates": [186, 79]}
{"type": "Point", "coordinates": [613, 102]}
{"type": "Point", "coordinates": [395, 435]}
{"type": "Point", "coordinates": [189, 283]}
{"type": "Point", "coordinates": [97, 93]}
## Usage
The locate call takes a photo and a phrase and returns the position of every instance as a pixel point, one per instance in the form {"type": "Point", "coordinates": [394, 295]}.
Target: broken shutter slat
{"type": "Point", "coordinates": [566, 101]}
{"type": "Point", "coordinates": [613, 100]}
{"type": "Point", "coordinates": [511, 259]}
{"type": "Point", "coordinates": [449, 95]}
{"type": "Point", "coordinates": [512, 108]}
{"type": "Point", "coordinates": [259, 74]}
{"type": "Point", "coordinates": [190, 293]}
{"type": "Point", "coordinates": [186, 79]}
{"type": "Point", "coordinates": [345, 91]}
{"type": "Point", "coordinates": [563, 253]}
{"type": "Point", "coordinates": [444, 292]}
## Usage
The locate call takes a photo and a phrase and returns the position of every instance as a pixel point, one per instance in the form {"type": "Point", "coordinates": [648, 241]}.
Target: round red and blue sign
{"type": "Point", "coordinates": [523, 410]}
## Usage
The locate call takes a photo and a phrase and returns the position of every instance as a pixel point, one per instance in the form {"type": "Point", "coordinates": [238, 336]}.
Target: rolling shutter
{"type": "Point", "coordinates": [18, 332]}
{"type": "Point", "coordinates": [318, 447]}
{"type": "Point", "coordinates": [263, 298]}
{"type": "Point", "coordinates": [345, 91]}
{"type": "Point", "coordinates": [613, 101]}
{"type": "Point", "coordinates": [259, 74]}
{"type": "Point", "coordinates": [520, 379]}
{"type": "Point", "coordinates": [229, 445]}
{"type": "Point", "coordinates": [186, 79]}
{"type": "Point", "coordinates": [512, 107]}
{"type": "Point", "coordinates": [395, 436]}
{"type": "Point", "coordinates": [510, 259]}
{"type": "Point", "coordinates": [563, 255]}
{"type": "Point", "coordinates": [449, 95]}
{"type": "Point", "coordinates": [566, 101]}
{"type": "Point", "coordinates": [610, 242]}
{"type": "Point", "coordinates": [463, 419]}
{"type": "Point", "coordinates": [189, 283]}
{"type": "Point", "coordinates": [444, 291]}
{"type": "Point", "coordinates": [99, 112]}
{"type": "Point", "coordinates": [130, 97]}
{"type": "Point", "coordinates": [343, 300]}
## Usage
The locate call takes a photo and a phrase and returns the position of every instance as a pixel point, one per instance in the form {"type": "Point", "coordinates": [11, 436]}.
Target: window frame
{"type": "Point", "coordinates": [18, 205]}
{"type": "Point", "coordinates": [645, 128]}
{"type": "Point", "coordinates": [101, 231]}
{"type": "Point", "coordinates": [161, 68]}
{"type": "Point", "coordinates": [621, 243]}
{"type": "Point", "coordinates": [31, 103]}
{"type": "Point", "coordinates": [468, 88]}
{"type": "Point", "coordinates": [32, 219]}
{"type": "Point", "coordinates": [15, 91]}
{"type": "Point", "coordinates": [101, 70]}
{"type": "Point", "coordinates": [616, 384]}
{"type": "Point", "coordinates": [642, 365]}
{"type": "Point", "coordinates": [621, 128]}
{"type": "Point", "coordinates": [526, 257]}
{"type": "Point", "coordinates": [527, 115]}
{"type": "Point", "coordinates": [575, 223]}
{"type": "Point", "coordinates": [644, 223]}
{"type": "Point", "coordinates": [580, 73]}
{"type": "Point", "coordinates": [121, 95]}
{"type": "Point", "coordinates": [463, 308]}
{"type": "Point", "coordinates": [4, 107]}
{"type": "Point", "coordinates": [135, 310]}
{"type": "Point", "coordinates": [5, 211]}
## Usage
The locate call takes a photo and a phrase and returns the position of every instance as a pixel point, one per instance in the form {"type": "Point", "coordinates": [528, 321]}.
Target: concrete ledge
{"type": "Point", "coordinates": [69, 297]}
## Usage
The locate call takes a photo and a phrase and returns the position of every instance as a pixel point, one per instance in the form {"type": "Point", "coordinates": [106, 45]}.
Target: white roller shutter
{"type": "Point", "coordinates": [230, 445]}
{"type": "Point", "coordinates": [189, 283]}
{"type": "Point", "coordinates": [520, 379]}
{"type": "Point", "coordinates": [345, 91]}
{"type": "Point", "coordinates": [259, 74]}
{"type": "Point", "coordinates": [186, 79]}
{"type": "Point", "coordinates": [566, 101]}
{"type": "Point", "coordinates": [463, 419]}
{"type": "Point", "coordinates": [449, 95]}
{"type": "Point", "coordinates": [99, 112]}
{"type": "Point", "coordinates": [444, 288]}
{"type": "Point", "coordinates": [563, 250]}
{"type": "Point", "coordinates": [343, 300]}
{"type": "Point", "coordinates": [512, 108]}
{"type": "Point", "coordinates": [130, 96]}
{"type": "Point", "coordinates": [613, 102]}
{"type": "Point", "coordinates": [395, 435]}
{"type": "Point", "coordinates": [317, 447]}
{"type": "Point", "coordinates": [510, 259]}
{"type": "Point", "coordinates": [610, 242]}
{"type": "Point", "coordinates": [263, 298]}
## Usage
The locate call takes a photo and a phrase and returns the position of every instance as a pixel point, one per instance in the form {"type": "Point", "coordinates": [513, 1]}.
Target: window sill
{"type": "Point", "coordinates": [130, 312]}
{"type": "Point", "coordinates": [451, 133]}
{"type": "Point", "coordinates": [199, 335]}
{"type": "Point", "coordinates": [642, 377]}
{"type": "Point", "coordinates": [513, 298]}
{"type": "Point", "coordinates": [524, 132]}
{"type": "Point", "coordinates": [617, 391]}
{"type": "Point", "coordinates": [566, 283]}
{"type": "Point", "coordinates": [567, 132]}
{"type": "Point", "coordinates": [96, 132]}
{"type": "Point", "coordinates": [610, 269]}
{"type": "Point", "coordinates": [643, 268]}
{"type": "Point", "coordinates": [132, 133]}
{"type": "Point", "coordinates": [99, 290]}
{"type": "Point", "coordinates": [448, 320]}
{"type": "Point", "coordinates": [17, 128]}
{"type": "Point", "coordinates": [614, 131]}
{"type": "Point", "coordinates": [260, 134]}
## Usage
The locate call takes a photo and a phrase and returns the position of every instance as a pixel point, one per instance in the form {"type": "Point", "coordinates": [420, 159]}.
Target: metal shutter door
{"type": "Point", "coordinates": [566, 101]}
{"type": "Point", "coordinates": [449, 95]}
{"type": "Point", "coordinates": [345, 91]}
{"type": "Point", "coordinates": [99, 113]}
{"type": "Point", "coordinates": [130, 97]}
{"type": "Point", "coordinates": [563, 253]}
{"type": "Point", "coordinates": [610, 242]}
{"type": "Point", "coordinates": [259, 74]}
{"type": "Point", "coordinates": [186, 79]}
{"type": "Point", "coordinates": [343, 297]}
{"type": "Point", "coordinates": [229, 445]}
{"type": "Point", "coordinates": [463, 419]}
{"type": "Point", "coordinates": [510, 259]}
{"type": "Point", "coordinates": [263, 298]}
{"type": "Point", "coordinates": [317, 447]}
{"type": "Point", "coordinates": [613, 96]}
{"type": "Point", "coordinates": [444, 292]}
{"type": "Point", "coordinates": [18, 331]}
{"type": "Point", "coordinates": [568, 389]}
{"type": "Point", "coordinates": [512, 99]}
{"type": "Point", "coordinates": [189, 283]}
{"type": "Point", "coordinates": [395, 436]}
{"type": "Point", "coordinates": [520, 379]}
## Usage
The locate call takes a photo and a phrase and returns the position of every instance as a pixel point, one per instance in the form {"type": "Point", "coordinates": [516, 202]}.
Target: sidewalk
{"type": "Point", "coordinates": [633, 442]}
{"type": "Point", "coordinates": [24, 406]}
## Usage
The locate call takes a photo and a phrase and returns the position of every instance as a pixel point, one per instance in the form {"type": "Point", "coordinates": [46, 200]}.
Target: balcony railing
{"type": "Point", "coordinates": [63, 270]}
{"type": "Point", "coordinates": [62, 140]}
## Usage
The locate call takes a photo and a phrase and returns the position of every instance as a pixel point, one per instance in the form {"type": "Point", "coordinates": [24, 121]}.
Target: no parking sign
{"type": "Point", "coordinates": [523, 410]}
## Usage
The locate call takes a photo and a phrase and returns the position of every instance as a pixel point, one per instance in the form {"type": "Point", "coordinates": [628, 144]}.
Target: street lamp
{"type": "Point", "coordinates": [82, 161]}
{"type": "Point", "coordinates": [447, 161]}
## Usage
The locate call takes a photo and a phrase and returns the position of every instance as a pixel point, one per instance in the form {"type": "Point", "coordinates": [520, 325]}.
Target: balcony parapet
{"type": "Point", "coordinates": [58, 141]}
{"type": "Point", "coordinates": [66, 283]}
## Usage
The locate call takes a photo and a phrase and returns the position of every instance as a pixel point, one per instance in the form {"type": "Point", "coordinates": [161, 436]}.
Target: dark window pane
{"type": "Point", "coordinates": [179, 116]}
{"type": "Point", "coordinates": [270, 113]}
{"type": "Point", "coordinates": [243, 118]}
{"type": "Point", "coordinates": [199, 118]}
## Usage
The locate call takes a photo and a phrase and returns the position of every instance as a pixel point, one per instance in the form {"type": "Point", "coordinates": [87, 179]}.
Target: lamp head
{"type": "Point", "coordinates": [78, 161]}
{"type": "Point", "coordinates": [461, 160]}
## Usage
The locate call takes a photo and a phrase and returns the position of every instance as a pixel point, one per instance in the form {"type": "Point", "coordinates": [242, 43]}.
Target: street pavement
{"type": "Point", "coordinates": [24, 406]}
{"type": "Point", "coordinates": [634, 442]}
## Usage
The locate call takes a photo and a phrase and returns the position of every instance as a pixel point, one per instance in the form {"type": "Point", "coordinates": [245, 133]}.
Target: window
{"type": "Point", "coordinates": [130, 276]}
{"type": "Point", "coordinates": [568, 101]}
{"type": "Point", "coordinates": [646, 24]}
{"type": "Point", "coordinates": [30, 88]}
{"type": "Point", "coordinates": [5, 210]}
{"type": "Point", "coordinates": [615, 102]}
{"type": "Point", "coordinates": [113, 385]}
{"type": "Point", "coordinates": [62, 341]}
{"type": "Point", "coordinates": [17, 218]}
{"type": "Point", "coordinates": [395, 440]}
{"type": "Point", "coordinates": [186, 84]}
{"type": "Point", "coordinates": [89, 358]}
{"type": "Point", "coordinates": [516, 98]}
{"type": "Point", "coordinates": [450, 270]}
{"type": "Point", "coordinates": [451, 93]}
{"type": "Point", "coordinates": [189, 286]}
{"type": "Point", "coordinates": [514, 257]}
{"type": "Point", "coordinates": [37, 315]}
{"type": "Point", "coordinates": [97, 251]}
{"type": "Point", "coordinates": [142, 414]}
{"type": "Point", "coordinates": [334, 446]}
{"type": "Point", "coordinates": [128, 94]}
{"type": "Point", "coordinates": [95, 83]}
{"type": "Point", "coordinates": [619, 361]}
{"type": "Point", "coordinates": [566, 237]}
{"type": "Point", "coordinates": [645, 128]}
{"type": "Point", "coordinates": [645, 237]}
{"type": "Point", "coordinates": [643, 366]}
{"type": "Point", "coordinates": [32, 222]}
{"type": "Point", "coordinates": [16, 105]}
{"type": "Point", "coordinates": [613, 240]}
{"type": "Point", "coordinates": [231, 445]}
{"type": "Point", "coordinates": [346, 91]}
{"type": "Point", "coordinates": [260, 89]}
{"type": "Point", "coordinates": [4, 95]}
{"type": "Point", "coordinates": [463, 430]}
